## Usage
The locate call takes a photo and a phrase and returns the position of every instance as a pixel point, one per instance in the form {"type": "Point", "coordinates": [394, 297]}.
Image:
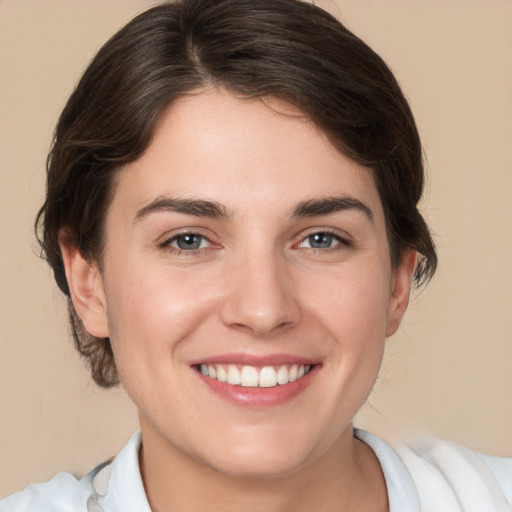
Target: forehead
{"type": "Point", "coordinates": [238, 151]}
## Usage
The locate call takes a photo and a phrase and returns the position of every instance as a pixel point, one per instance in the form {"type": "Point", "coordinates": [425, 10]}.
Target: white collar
{"type": "Point", "coordinates": [118, 486]}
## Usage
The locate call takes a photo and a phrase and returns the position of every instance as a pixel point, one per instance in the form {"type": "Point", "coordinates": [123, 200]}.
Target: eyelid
{"type": "Point", "coordinates": [168, 238]}
{"type": "Point", "coordinates": [342, 236]}
{"type": "Point", "coordinates": [175, 239]}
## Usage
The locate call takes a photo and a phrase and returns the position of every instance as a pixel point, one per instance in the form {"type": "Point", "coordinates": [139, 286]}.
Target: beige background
{"type": "Point", "coordinates": [448, 371]}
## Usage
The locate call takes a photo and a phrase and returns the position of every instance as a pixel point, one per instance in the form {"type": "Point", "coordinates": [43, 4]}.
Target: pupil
{"type": "Point", "coordinates": [187, 242]}
{"type": "Point", "coordinates": [320, 240]}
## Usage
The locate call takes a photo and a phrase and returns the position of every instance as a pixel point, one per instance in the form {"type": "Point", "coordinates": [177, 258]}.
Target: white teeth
{"type": "Point", "coordinates": [222, 375]}
{"type": "Point", "coordinates": [251, 376]}
{"type": "Point", "coordinates": [292, 374]}
{"type": "Point", "coordinates": [268, 377]}
{"type": "Point", "coordinates": [233, 375]}
{"type": "Point", "coordinates": [282, 375]}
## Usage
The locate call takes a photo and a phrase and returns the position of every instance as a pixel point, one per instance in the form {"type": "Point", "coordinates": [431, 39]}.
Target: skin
{"type": "Point", "coordinates": [256, 285]}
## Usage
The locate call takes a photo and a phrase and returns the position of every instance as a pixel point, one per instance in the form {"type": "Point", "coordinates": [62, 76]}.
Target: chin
{"type": "Point", "coordinates": [261, 457]}
{"type": "Point", "coordinates": [260, 466]}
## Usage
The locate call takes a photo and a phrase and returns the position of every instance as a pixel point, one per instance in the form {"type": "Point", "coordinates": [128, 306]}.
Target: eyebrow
{"type": "Point", "coordinates": [329, 205]}
{"type": "Point", "coordinates": [197, 207]}
{"type": "Point", "coordinates": [213, 209]}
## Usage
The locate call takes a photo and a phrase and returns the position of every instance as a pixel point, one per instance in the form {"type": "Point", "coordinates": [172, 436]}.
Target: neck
{"type": "Point", "coordinates": [346, 479]}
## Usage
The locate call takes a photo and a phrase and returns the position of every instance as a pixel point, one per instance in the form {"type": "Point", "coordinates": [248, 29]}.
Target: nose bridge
{"type": "Point", "coordinates": [261, 297]}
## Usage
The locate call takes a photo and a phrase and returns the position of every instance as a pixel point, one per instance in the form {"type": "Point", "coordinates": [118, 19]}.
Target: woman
{"type": "Point", "coordinates": [232, 210]}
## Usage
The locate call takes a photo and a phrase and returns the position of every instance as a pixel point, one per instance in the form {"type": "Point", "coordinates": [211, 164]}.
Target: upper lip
{"type": "Point", "coordinates": [255, 360]}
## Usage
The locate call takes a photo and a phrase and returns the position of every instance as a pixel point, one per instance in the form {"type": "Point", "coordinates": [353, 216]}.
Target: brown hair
{"type": "Point", "coordinates": [283, 48]}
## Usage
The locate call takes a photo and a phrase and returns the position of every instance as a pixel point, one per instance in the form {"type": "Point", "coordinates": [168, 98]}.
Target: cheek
{"type": "Point", "coordinates": [353, 301]}
{"type": "Point", "coordinates": [153, 309]}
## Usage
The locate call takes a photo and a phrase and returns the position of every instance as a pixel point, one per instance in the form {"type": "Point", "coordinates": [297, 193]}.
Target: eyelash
{"type": "Point", "coordinates": [191, 252]}
{"type": "Point", "coordinates": [342, 241]}
{"type": "Point", "coordinates": [168, 244]}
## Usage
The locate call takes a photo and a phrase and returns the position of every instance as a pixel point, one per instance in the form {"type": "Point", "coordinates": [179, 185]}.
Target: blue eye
{"type": "Point", "coordinates": [322, 240]}
{"type": "Point", "coordinates": [188, 242]}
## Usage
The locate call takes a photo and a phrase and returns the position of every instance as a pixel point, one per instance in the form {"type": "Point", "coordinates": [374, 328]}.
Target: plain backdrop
{"type": "Point", "coordinates": [447, 372]}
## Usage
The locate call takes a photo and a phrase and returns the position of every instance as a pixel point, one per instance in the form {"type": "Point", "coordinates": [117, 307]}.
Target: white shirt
{"type": "Point", "coordinates": [429, 476]}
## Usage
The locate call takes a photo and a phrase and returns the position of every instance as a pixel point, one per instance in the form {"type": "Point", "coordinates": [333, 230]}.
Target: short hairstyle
{"type": "Point", "coordinates": [286, 49]}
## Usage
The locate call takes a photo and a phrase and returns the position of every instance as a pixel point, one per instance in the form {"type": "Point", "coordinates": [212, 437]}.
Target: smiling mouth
{"type": "Point", "coordinates": [255, 377]}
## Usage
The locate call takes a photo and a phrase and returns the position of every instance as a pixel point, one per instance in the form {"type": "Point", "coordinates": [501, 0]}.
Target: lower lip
{"type": "Point", "coordinates": [260, 397]}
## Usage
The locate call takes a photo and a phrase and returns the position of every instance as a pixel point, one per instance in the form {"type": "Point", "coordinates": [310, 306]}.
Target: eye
{"type": "Point", "coordinates": [187, 242]}
{"type": "Point", "coordinates": [322, 240]}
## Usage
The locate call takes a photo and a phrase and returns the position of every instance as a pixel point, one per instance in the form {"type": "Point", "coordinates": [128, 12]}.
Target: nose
{"type": "Point", "coordinates": [261, 298]}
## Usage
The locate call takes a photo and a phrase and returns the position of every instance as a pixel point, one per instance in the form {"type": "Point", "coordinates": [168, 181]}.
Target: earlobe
{"type": "Point", "coordinates": [86, 288]}
{"type": "Point", "coordinates": [400, 291]}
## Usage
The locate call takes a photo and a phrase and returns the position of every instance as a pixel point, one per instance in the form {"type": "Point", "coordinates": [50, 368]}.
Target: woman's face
{"type": "Point", "coordinates": [243, 245]}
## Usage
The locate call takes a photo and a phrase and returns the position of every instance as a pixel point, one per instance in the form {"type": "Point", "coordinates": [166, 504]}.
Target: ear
{"type": "Point", "coordinates": [86, 288]}
{"type": "Point", "coordinates": [400, 290]}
